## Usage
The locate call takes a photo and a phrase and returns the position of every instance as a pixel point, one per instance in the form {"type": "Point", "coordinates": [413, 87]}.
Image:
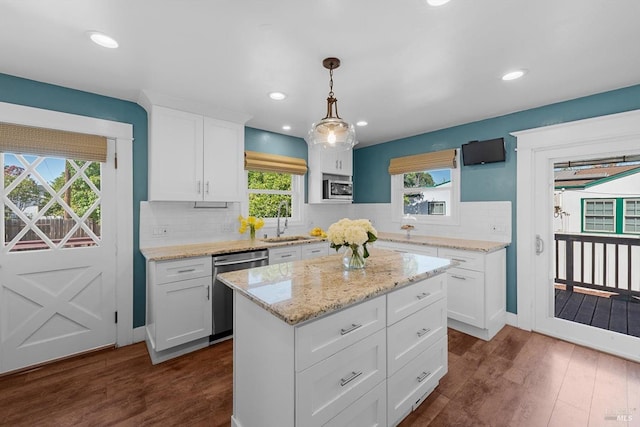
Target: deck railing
{"type": "Point", "coordinates": [604, 263]}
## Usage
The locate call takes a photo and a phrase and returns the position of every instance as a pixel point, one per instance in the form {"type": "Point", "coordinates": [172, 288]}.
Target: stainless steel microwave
{"type": "Point", "coordinates": [340, 190]}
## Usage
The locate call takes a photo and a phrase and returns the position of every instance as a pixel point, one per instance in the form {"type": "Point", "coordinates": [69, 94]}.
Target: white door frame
{"type": "Point", "coordinates": [538, 149]}
{"type": "Point", "coordinates": [122, 133]}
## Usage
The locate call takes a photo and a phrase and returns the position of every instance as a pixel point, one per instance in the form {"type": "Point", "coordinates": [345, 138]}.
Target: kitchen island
{"type": "Point", "coordinates": [317, 345]}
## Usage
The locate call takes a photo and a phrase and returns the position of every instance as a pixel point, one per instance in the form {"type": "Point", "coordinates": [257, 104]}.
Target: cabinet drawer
{"type": "Point", "coordinates": [465, 296]}
{"type": "Point", "coordinates": [330, 386]}
{"type": "Point", "coordinates": [314, 250]}
{"type": "Point", "coordinates": [286, 254]}
{"type": "Point", "coordinates": [183, 269]}
{"type": "Point", "coordinates": [408, 388]}
{"type": "Point", "coordinates": [414, 334]}
{"type": "Point", "coordinates": [321, 338]}
{"type": "Point", "coordinates": [414, 297]}
{"type": "Point", "coordinates": [466, 259]}
{"type": "Point", "coordinates": [407, 248]}
{"type": "Point", "coordinates": [368, 411]}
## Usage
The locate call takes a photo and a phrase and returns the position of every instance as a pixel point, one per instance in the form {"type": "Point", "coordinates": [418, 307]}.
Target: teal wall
{"type": "Point", "coordinates": [490, 182]}
{"type": "Point", "coordinates": [20, 91]}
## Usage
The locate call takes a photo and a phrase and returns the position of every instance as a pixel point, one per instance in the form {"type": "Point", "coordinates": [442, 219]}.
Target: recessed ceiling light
{"type": "Point", "coordinates": [362, 123]}
{"type": "Point", "coordinates": [103, 40]}
{"type": "Point", "coordinates": [286, 127]}
{"type": "Point", "coordinates": [512, 75]}
{"type": "Point", "coordinates": [277, 96]}
{"type": "Point", "coordinates": [437, 2]}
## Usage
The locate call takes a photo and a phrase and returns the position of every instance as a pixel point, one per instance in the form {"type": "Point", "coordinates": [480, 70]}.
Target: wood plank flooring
{"type": "Point", "coordinates": [517, 379]}
{"type": "Point", "coordinates": [606, 313]}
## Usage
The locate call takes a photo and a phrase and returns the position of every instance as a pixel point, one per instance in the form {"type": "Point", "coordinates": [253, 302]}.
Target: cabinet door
{"type": "Point", "coordinates": [345, 162]}
{"type": "Point", "coordinates": [314, 250]}
{"type": "Point", "coordinates": [285, 254]}
{"type": "Point", "coordinates": [183, 312]}
{"type": "Point", "coordinates": [337, 162]}
{"type": "Point", "coordinates": [223, 178]}
{"type": "Point", "coordinates": [175, 155]}
{"type": "Point", "coordinates": [465, 296]}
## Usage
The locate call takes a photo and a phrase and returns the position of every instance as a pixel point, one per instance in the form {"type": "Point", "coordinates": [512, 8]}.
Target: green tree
{"type": "Point", "coordinates": [80, 196]}
{"type": "Point", "coordinates": [27, 192]}
{"type": "Point", "coordinates": [265, 205]}
{"type": "Point", "coordinates": [416, 180]}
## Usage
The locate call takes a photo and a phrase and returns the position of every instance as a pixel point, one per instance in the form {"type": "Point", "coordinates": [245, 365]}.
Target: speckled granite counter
{"type": "Point", "coordinates": [444, 242]}
{"type": "Point", "coordinates": [164, 253]}
{"type": "Point", "coordinates": [303, 290]}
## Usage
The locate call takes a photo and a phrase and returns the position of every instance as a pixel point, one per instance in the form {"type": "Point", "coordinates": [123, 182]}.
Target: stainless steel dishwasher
{"type": "Point", "coordinates": [222, 299]}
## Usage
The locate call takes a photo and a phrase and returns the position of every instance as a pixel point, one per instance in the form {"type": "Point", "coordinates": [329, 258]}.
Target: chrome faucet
{"type": "Point", "coordinates": [286, 218]}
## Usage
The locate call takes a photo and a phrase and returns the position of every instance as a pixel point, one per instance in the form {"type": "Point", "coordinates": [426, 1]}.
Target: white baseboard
{"type": "Point", "coordinates": [138, 334]}
{"type": "Point", "coordinates": [511, 319]}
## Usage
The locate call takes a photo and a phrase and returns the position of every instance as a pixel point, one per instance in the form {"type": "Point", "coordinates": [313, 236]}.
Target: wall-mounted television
{"type": "Point", "coordinates": [481, 152]}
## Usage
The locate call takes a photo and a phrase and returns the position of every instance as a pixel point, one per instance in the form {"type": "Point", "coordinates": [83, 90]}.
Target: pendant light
{"type": "Point", "coordinates": [332, 132]}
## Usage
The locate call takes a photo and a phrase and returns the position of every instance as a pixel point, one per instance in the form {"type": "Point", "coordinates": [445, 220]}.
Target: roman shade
{"type": "Point", "coordinates": [50, 142]}
{"type": "Point", "coordinates": [264, 162]}
{"type": "Point", "coordinates": [423, 162]}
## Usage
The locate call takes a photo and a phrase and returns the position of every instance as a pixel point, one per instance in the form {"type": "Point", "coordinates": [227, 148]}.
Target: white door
{"type": "Point", "coordinates": [57, 271]}
{"type": "Point", "coordinates": [538, 150]}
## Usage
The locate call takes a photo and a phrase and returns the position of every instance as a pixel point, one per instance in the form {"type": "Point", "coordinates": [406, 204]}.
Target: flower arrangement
{"type": "Point", "coordinates": [252, 223]}
{"type": "Point", "coordinates": [352, 234]}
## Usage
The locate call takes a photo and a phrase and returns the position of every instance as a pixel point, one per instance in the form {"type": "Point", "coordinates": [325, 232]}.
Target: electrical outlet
{"type": "Point", "coordinates": [160, 231]}
{"type": "Point", "coordinates": [496, 228]}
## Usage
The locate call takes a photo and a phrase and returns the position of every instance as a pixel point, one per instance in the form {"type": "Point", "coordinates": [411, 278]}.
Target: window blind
{"type": "Point", "coordinates": [422, 162]}
{"type": "Point", "coordinates": [264, 162]}
{"type": "Point", "coordinates": [50, 142]}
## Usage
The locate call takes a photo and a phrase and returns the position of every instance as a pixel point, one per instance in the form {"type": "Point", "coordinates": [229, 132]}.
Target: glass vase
{"type": "Point", "coordinates": [252, 233]}
{"type": "Point", "coordinates": [353, 258]}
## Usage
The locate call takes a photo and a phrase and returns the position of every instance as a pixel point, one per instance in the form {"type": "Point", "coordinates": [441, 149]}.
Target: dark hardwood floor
{"type": "Point", "coordinates": [517, 379]}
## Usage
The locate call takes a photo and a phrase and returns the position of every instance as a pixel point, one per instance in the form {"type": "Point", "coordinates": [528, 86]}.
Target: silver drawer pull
{"type": "Point", "coordinates": [351, 328]}
{"type": "Point", "coordinates": [458, 277]}
{"type": "Point", "coordinates": [286, 255]}
{"type": "Point", "coordinates": [315, 251]}
{"type": "Point", "coordinates": [188, 270]}
{"type": "Point", "coordinates": [458, 259]}
{"type": "Point", "coordinates": [423, 331]}
{"type": "Point", "coordinates": [423, 295]}
{"type": "Point", "coordinates": [423, 376]}
{"type": "Point", "coordinates": [208, 293]}
{"type": "Point", "coordinates": [352, 376]}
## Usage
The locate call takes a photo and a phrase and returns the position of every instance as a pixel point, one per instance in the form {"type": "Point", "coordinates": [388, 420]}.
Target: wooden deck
{"type": "Point", "coordinates": [616, 315]}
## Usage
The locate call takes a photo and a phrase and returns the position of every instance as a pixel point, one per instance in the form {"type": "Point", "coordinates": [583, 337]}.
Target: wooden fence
{"type": "Point", "coordinates": [54, 228]}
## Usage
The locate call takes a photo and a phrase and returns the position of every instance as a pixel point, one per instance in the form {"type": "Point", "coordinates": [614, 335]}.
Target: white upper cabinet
{"type": "Point", "coordinates": [194, 158]}
{"type": "Point", "coordinates": [338, 162]}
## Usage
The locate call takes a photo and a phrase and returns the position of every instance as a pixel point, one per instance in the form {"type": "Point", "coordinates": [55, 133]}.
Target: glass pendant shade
{"type": "Point", "coordinates": [332, 133]}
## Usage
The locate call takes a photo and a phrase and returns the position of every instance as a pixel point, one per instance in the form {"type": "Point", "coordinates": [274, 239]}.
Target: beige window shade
{"type": "Point", "coordinates": [422, 162]}
{"type": "Point", "coordinates": [50, 142]}
{"type": "Point", "coordinates": [264, 162]}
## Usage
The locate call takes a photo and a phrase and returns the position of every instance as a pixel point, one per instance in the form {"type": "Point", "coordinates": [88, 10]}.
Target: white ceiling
{"type": "Point", "coordinates": [407, 68]}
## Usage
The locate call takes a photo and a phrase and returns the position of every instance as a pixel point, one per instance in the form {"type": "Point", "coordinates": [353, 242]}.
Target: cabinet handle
{"type": "Point", "coordinates": [423, 376]}
{"type": "Point", "coordinates": [315, 251]}
{"type": "Point", "coordinates": [208, 292]}
{"type": "Point", "coordinates": [423, 295]}
{"type": "Point", "coordinates": [188, 270]}
{"type": "Point", "coordinates": [336, 164]}
{"type": "Point", "coordinates": [352, 376]}
{"type": "Point", "coordinates": [423, 332]}
{"type": "Point", "coordinates": [340, 164]}
{"type": "Point", "coordinates": [458, 277]}
{"type": "Point", "coordinates": [286, 255]}
{"type": "Point", "coordinates": [207, 187]}
{"type": "Point", "coordinates": [198, 186]}
{"type": "Point", "coordinates": [458, 259]}
{"type": "Point", "coordinates": [351, 328]}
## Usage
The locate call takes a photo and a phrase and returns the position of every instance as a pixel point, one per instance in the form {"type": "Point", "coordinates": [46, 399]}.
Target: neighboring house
{"type": "Point", "coordinates": [601, 199]}
{"type": "Point", "coordinates": [435, 200]}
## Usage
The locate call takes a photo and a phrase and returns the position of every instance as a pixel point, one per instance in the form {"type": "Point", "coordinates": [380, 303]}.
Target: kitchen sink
{"type": "Point", "coordinates": [287, 239]}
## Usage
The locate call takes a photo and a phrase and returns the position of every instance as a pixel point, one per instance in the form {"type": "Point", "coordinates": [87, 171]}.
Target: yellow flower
{"type": "Point", "coordinates": [250, 222]}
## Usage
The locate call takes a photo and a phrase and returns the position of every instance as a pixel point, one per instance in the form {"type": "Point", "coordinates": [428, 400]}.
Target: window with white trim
{"type": "Point", "coordinates": [631, 216]}
{"type": "Point", "coordinates": [599, 215]}
{"type": "Point", "coordinates": [266, 191]}
{"type": "Point", "coordinates": [431, 196]}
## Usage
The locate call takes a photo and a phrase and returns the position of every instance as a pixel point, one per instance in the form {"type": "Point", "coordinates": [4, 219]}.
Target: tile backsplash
{"type": "Point", "coordinates": [176, 223]}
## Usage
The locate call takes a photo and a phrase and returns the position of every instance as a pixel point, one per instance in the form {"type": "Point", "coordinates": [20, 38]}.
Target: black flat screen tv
{"type": "Point", "coordinates": [481, 152]}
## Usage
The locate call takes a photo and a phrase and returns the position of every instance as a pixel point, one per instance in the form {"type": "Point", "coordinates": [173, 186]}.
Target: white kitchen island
{"type": "Point", "coordinates": [315, 345]}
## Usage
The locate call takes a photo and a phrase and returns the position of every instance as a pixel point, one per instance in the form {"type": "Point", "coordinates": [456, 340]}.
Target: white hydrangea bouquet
{"type": "Point", "coordinates": [353, 234]}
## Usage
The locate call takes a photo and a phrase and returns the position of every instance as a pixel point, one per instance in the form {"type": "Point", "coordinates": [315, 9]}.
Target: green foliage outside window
{"type": "Point", "coordinates": [82, 196]}
{"type": "Point", "coordinates": [278, 188]}
{"type": "Point", "coordinates": [27, 193]}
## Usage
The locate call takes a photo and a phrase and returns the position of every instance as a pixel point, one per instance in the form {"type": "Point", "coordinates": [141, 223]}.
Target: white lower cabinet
{"type": "Point", "coordinates": [178, 303]}
{"type": "Point", "coordinates": [367, 365]}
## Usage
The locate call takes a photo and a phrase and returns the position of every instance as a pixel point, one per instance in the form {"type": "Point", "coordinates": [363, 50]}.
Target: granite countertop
{"type": "Point", "coordinates": [163, 253]}
{"type": "Point", "coordinates": [302, 290]}
{"type": "Point", "coordinates": [444, 242]}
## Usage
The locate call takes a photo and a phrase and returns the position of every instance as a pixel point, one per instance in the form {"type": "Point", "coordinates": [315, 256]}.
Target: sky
{"type": "Point", "coordinates": [50, 168]}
